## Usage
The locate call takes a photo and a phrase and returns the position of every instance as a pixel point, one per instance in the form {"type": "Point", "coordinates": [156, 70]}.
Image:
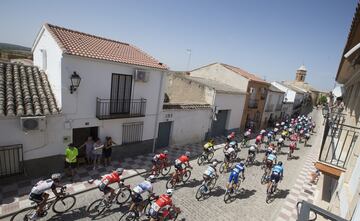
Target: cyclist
{"type": "Point", "coordinates": [229, 154]}
{"type": "Point", "coordinates": [181, 163]}
{"type": "Point", "coordinates": [157, 160]}
{"type": "Point", "coordinates": [268, 151]}
{"type": "Point", "coordinates": [230, 137]}
{"type": "Point", "coordinates": [271, 160]}
{"type": "Point", "coordinates": [277, 173]}
{"type": "Point", "coordinates": [38, 193]}
{"type": "Point", "coordinates": [252, 151]}
{"type": "Point", "coordinates": [164, 202]}
{"type": "Point", "coordinates": [209, 174]}
{"type": "Point", "coordinates": [234, 176]}
{"type": "Point", "coordinates": [108, 179]}
{"type": "Point", "coordinates": [139, 190]}
{"type": "Point", "coordinates": [259, 139]}
{"type": "Point", "coordinates": [247, 135]}
{"type": "Point", "coordinates": [209, 146]}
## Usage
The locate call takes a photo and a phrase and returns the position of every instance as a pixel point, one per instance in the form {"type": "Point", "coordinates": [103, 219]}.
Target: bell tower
{"type": "Point", "coordinates": [301, 74]}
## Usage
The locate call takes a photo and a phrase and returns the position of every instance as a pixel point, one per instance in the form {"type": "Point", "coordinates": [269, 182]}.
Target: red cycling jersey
{"type": "Point", "coordinates": [183, 159]}
{"type": "Point", "coordinates": [164, 200]}
{"type": "Point", "coordinates": [111, 178]}
{"type": "Point", "coordinates": [258, 138]}
{"type": "Point", "coordinates": [292, 145]}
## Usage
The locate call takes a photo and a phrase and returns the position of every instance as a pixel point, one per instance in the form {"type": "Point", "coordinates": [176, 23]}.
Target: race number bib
{"type": "Point", "coordinates": [155, 207]}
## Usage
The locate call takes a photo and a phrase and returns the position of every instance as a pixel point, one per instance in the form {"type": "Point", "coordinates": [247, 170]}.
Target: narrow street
{"type": "Point", "coordinates": [249, 205]}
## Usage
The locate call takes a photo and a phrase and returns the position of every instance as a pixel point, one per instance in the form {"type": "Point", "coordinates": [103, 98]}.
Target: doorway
{"type": "Point", "coordinates": [164, 134]}
{"type": "Point", "coordinates": [219, 126]}
{"type": "Point", "coordinates": [80, 135]}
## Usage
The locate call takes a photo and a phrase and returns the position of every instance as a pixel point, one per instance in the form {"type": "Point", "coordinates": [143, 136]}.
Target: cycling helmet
{"type": "Point", "coordinates": [242, 163]}
{"type": "Point", "coordinates": [214, 164]}
{"type": "Point", "coordinates": [56, 176]}
{"type": "Point", "coordinates": [282, 123]}
{"type": "Point", "coordinates": [285, 127]}
{"type": "Point", "coordinates": [166, 152]}
{"type": "Point", "coordinates": [280, 163]}
{"type": "Point", "coordinates": [249, 130]}
{"type": "Point", "coordinates": [277, 124]}
{"type": "Point", "coordinates": [150, 178]}
{"type": "Point", "coordinates": [120, 170]}
{"type": "Point", "coordinates": [169, 192]}
{"type": "Point", "coordinates": [187, 153]}
{"type": "Point", "coordinates": [252, 147]}
{"type": "Point", "coordinates": [274, 152]}
{"type": "Point", "coordinates": [281, 140]}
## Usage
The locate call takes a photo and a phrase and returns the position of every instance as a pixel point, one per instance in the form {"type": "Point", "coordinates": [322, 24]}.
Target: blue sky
{"type": "Point", "coordinates": [270, 38]}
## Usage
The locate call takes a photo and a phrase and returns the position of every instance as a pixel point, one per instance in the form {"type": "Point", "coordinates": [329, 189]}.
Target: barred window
{"type": "Point", "coordinates": [132, 132]}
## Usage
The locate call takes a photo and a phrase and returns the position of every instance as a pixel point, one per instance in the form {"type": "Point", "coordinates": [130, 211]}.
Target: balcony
{"type": "Point", "coordinates": [338, 143]}
{"type": "Point", "coordinates": [307, 211]}
{"type": "Point", "coordinates": [253, 103]}
{"type": "Point", "coordinates": [114, 109]}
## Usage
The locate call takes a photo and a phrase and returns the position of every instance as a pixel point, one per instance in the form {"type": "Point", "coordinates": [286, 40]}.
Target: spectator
{"type": "Point", "coordinates": [71, 153]}
{"type": "Point", "coordinates": [89, 146]}
{"type": "Point", "coordinates": [97, 152]}
{"type": "Point", "coordinates": [107, 150]}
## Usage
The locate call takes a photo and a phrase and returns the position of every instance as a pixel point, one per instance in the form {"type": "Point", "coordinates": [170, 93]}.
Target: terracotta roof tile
{"type": "Point", "coordinates": [86, 45]}
{"type": "Point", "coordinates": [244, 73]}
{"type": "Point", "coordinates": [25, 91]}
{"type": "Point", "coordinates": [168, 106]}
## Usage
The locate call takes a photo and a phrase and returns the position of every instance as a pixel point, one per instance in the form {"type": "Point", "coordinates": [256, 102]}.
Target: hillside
{"type": "Point", "coordinates": [13, 47]}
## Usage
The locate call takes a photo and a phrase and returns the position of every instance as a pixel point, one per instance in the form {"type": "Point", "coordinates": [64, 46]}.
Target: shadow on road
{"type": "Point", "coordinates": [192, 183]}
{"type": "Point", "coordinates": [281, 194]}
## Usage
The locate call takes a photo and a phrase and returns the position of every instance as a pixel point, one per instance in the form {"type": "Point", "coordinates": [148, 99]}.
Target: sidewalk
{"type": "Point", "coordinates": [14, 197]}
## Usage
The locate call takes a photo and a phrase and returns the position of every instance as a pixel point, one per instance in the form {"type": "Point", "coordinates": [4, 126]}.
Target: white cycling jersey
{"type": "Point", "coordinates": [229, 151]}
{"type": "Point", "coordinates": [42, 186]}
{"type": "Point", "coordinates": [143, 187]}
{"type": "Point", "coordinates": [210, 171]}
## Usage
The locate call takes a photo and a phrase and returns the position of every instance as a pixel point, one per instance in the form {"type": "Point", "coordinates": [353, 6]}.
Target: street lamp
{"type": "Point", "coordinates": [75, 82]}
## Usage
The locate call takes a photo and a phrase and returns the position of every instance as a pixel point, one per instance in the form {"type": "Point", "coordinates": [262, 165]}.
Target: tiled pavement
{"type": "Point", "coordinates": [15, 196]}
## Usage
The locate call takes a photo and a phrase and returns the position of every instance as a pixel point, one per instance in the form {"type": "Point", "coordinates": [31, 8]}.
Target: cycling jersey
{"type": "Point", "coordinates": [234, 175]}
{"type": "Point", "coordinates": [247, 133]}
{"type": "Point", "coordinates": [271, 157]}
{"type": "Point", "coordinates": [143, 187]}
{"type": "Point", "coordinates": [163, 201]}
{"type": "Point", "coordinates": [111, 178]}
{"type": "Point", "coordinates": [277, 169]}
{"type": "Point", "coordinates": [182, 159]}
{"type": "Point", "coordinates": [229, 151]}
{"type": "Point", "coordinates": [210, 171]}
{"type": "Point", "coordinates": [160, 156]}
{"type": "Point", "coordinates": [258, 138]}
{"type": "Point", "coordinates": [41, 186]}
{"type": "Point", "coordinates": [208, 145]}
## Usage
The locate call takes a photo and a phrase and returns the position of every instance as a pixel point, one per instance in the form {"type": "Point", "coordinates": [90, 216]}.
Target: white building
{"type": "Point", "coordinates": [196, 108]}
{"type": "Point", "coordinates": [273, 106]}
{"type": "Point", "coordinates": [120, 95]}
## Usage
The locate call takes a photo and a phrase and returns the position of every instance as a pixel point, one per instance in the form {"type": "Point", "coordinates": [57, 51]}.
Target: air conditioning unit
{"type": "Point", "coordinates": [141, 75]}
{"type": "Point", "coordinates": [37, 123]}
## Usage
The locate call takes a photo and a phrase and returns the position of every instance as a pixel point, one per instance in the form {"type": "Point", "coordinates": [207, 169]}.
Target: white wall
{"type": "Point", "coordinates": [220, 73]}
{"type": "Point", "coordinates": [36, 144]}
{"type": "Point", "coordinates": [272, 99]}
{"type": "Point", "coordinates": [54, 56]}
{"type": "Point", "coordinates": [235, 104]}
{"type": "Point", "coordinates": [96, 82]}
{"type": "Point", "coordinates": [289, 94]}
{"type": "Point", "coordinates": [189, 126]}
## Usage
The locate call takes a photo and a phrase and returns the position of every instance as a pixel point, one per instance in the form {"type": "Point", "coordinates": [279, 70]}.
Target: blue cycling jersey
{"type": "Point", "coordinates": [238, 169]}
{"type": "Point", "coordinates": [278, 169]}
{"type": "Point", "coordinates": [271, 157]}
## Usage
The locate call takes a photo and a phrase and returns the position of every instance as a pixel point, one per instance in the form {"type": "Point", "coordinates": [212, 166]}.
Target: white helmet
{"type": "Point", "coordinates": [169, 192]}
{"type": "Point", "coordinates": [214, 164]}
{"type": "Point", "coordinates": [150, 178]}
{"type": "Point", "coordinates": [187, 153]}
{"type": "Point", "coordinates": [281, 140]}
{"type": "Point", "coordinates": [252, 148]}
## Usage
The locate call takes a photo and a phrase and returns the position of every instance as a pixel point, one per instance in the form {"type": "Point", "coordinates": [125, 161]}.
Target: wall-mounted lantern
{"type": "Point", "coordinates": [75, 82]}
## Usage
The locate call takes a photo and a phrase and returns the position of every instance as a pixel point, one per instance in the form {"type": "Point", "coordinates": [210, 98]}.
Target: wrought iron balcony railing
{"type": "Point", "coordinates": [120, 108]}
{"type": "Point", "coordinates": [307, 211]}
{"type": "Point", "coordinates": [253, 103]}
{"type": "Point", "coordinates": [278, 107]}
{"type": "Point", "coordinates": [338, 141]}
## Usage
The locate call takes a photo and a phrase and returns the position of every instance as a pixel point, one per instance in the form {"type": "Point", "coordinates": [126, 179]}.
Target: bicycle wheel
{"type": "Point", "coordinates": [129, 216]}
{"type": "Point", "coordinates": [201, 159]}
{"type": "Point", "coordinates": [166, 170]}
{"type": "Point", "coordinates": [227, 196]}
{"type": "Point", "coordinates": [23, 215]}
{"type": "Point", "coordinates": [210, 156]}
{"type": "Point", "coordinates": [96, 208]}
{"type": "Point", "coordinates": [200, 192]}
{"type": "Point", "coordinates": [186, 176]}
{"type": "Point", "coordinates": [170, 184]}
{"type": "Point", "coordinates": [64, 204]}
{"type": "Point", "coordinates": [212, 183]}
{"type": "Point", "coordinates": [123, 195]}
{"type": "Point", "coordinates": [263, 178]}
{"type": "Point", "coordinates": [222, 167]}
{"type": "Point", "coordinates": [147, 207]}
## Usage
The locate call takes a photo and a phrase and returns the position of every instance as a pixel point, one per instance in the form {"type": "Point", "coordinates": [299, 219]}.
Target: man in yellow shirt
{"type": "Point", "coordinates": [71, 154]}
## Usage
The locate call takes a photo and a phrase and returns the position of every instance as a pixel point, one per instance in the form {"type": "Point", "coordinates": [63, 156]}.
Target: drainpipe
{"type": "Point", "coordinates": [213, 110]}
{"type": "Point", "coordinates": [158, 112]}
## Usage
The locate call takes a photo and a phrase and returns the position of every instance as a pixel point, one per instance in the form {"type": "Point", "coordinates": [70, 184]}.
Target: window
{"type": "Point", "coordinates": [263, 93]}
{"type": "Point", "coordinates": [44, 59]}
{"type": "Point", "coordinates": [132, 132]}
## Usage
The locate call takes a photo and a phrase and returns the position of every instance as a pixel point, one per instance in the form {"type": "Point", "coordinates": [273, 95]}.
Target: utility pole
{"type": "Point", "coordinates": [189, 59]}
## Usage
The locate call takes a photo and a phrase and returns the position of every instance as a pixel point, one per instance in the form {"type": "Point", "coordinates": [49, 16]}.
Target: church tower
{"type": "Point", "coordinates": [300, 74]}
